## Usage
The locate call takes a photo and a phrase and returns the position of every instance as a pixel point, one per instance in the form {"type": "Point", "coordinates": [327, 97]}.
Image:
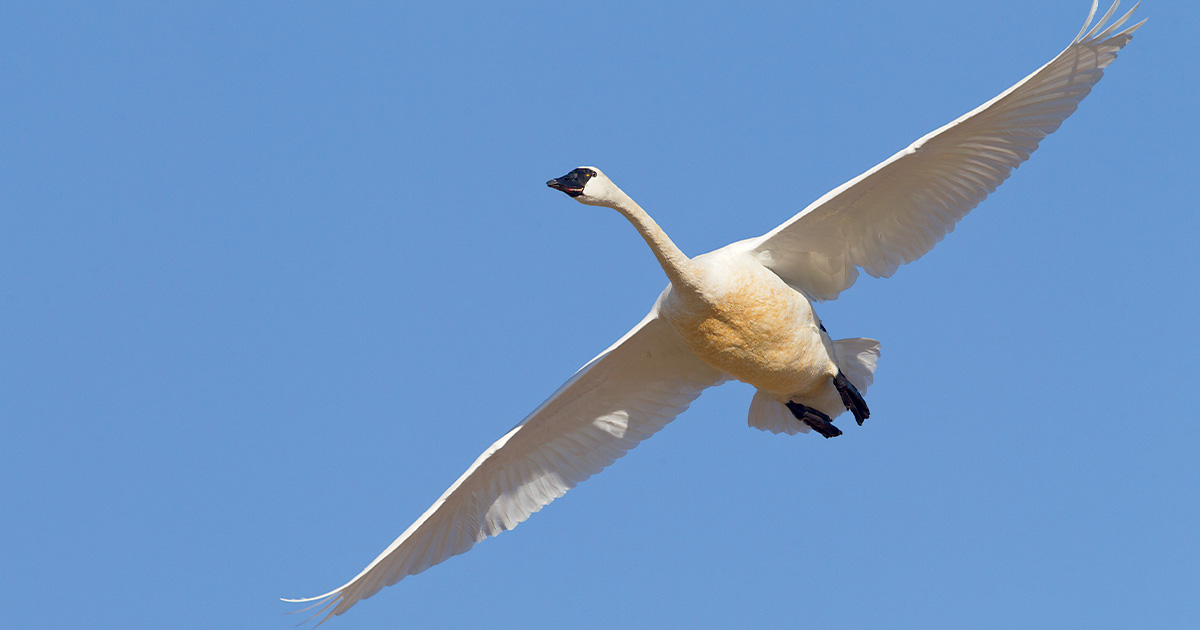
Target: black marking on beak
{"type": "Point", "coordinates": [572, 183]}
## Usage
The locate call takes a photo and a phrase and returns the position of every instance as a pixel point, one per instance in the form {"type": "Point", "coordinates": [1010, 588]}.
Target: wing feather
{"type": "Point", "coordinates": [620, 398]}
{"type": "Point", "coordinates": [897, 211]}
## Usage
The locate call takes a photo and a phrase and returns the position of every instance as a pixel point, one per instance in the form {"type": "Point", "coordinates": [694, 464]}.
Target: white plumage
{"type": "Point", "coordinates": [620, 398]}
{"type": "Point", "coordinates": [897, 211]}
{"type": "Point", "coordinates": [724, 316]}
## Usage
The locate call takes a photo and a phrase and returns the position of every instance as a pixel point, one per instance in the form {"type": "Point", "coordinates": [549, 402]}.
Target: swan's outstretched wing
{"type": "Point", "coordinates": [897, 211]}
{"type": "Point", "coordinates": [620, 398]}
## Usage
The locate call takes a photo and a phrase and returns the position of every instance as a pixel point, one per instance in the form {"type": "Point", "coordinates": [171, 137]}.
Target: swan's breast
{"type": "Point", "coordinates": [750, 324]}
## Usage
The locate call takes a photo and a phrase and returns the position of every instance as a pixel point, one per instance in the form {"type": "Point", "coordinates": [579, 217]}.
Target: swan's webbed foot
{"type": "Point", "coordinates": [818, 421]}
{"type": "Point", "coordinates": [851, 398]}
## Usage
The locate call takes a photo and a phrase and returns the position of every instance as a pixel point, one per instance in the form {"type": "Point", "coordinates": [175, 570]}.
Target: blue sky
{"type": "Point", "coordinates": [273, 274]}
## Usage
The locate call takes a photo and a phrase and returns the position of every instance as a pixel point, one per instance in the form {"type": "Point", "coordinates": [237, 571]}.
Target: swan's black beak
{"type": "Point", "coordinates": [558, 184]}
{"type": "Point", "coordinates": [572, 183]}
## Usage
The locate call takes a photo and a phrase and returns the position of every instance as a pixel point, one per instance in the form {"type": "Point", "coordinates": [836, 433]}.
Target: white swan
{"type": "Point", "coordinates": [744, 312]}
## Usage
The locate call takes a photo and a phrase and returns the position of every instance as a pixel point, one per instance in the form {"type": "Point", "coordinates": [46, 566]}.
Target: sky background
{"type": "Point", "coordinates": [273, 274]}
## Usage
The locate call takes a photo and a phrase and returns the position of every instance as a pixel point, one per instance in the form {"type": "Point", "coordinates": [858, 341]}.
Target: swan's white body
{"type": "Point", "coordinates": [745, 312]}
{"type": "Point", "coordinates": [748, 323]}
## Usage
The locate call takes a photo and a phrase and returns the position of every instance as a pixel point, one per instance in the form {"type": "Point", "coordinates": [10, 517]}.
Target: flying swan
{"type": "Point", "coordinates": [745, 312]}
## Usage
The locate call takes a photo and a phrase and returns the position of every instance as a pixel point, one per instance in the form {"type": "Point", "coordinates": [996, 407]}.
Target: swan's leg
{"type": "Point", "coordinates": [813, 418]}
{"type": "Point", "coordinates": [851, 398]}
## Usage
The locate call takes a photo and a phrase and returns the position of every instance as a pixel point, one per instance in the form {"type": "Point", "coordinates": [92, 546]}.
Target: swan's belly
{"type": "Point", "coordinates": [759, 331]}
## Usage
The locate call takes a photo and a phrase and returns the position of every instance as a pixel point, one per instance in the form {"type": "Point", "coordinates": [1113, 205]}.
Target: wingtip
{"type": "Point", "coordinates": [1102, 30]}
{"type": "Point", "coordinates": [305, 600]}
{"type": "Point", "coordinates": [1131, 29]}
{"type": "Point", "coordinates": [324, 601]}
{"type": "Point", "coordinates": [1088, 22]}
{"type": "Point", "coordinates": [1102, 21]}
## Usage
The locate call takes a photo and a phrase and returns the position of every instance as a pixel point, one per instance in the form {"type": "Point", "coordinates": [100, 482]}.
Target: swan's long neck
{"type": "Point", "coordinates": [678, 267]}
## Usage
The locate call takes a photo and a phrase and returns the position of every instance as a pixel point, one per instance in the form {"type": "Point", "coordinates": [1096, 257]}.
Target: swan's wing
{"type": "Point", "coordinates": [897, 211]}
{"type": "Point", "coordinates": [620, 398]}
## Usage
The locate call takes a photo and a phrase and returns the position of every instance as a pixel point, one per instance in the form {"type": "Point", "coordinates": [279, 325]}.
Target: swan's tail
{"type": "Point", "coordinates": [857, 358]}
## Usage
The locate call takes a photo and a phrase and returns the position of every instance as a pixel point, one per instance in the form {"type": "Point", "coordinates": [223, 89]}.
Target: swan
{"type": "Point", "coordinates": [745, 312]}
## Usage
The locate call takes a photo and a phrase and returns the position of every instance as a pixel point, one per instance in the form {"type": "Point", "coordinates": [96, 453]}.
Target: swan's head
{"type": "Point", "coordinates": [587, 184]}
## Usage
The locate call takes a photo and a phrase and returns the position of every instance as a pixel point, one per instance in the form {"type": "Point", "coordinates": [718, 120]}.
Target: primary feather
{"type": "Point", "coordinates": [618, 399]}
{"type": "Point", "coordinates": [897, 211]}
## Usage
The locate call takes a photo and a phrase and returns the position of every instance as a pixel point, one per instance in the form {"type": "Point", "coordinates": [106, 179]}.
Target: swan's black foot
{"type": "Point", "coordinates": [851, 398]}
{"type": "Point", "coordinates": [815, 419]}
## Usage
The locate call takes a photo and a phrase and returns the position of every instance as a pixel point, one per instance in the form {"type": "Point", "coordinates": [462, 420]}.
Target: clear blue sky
{"type": "Point", "coordinates": [273, 274]}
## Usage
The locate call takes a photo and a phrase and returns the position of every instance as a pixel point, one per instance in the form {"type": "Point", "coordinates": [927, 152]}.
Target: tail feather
{"type": "Point", "coordinates": [857, 358]}
{"type": "Point", "coordinates": [769, 414]}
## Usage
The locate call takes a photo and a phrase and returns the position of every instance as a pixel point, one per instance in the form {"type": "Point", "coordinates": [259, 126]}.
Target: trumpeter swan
{"type": "Point", "coordinates": [744, 312]}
